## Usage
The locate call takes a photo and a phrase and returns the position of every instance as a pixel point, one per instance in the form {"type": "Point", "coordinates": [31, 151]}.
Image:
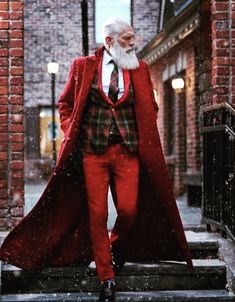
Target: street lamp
{"type": "Point", "coordinates": [53, 68]}
{"type": "Point", "coordinates": [177, 83]}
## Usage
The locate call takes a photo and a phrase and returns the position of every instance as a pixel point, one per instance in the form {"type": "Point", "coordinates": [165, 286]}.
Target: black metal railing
{"type": "Point", "coordinates": [218, 132]}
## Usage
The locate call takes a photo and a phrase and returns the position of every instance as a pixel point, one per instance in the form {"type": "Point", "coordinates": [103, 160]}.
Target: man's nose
{"type": "Point", "coordinates": [132, 42]}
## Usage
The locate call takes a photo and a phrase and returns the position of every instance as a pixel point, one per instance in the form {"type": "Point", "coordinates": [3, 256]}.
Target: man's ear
{"type": "Point", "coordinates": [109, 41]}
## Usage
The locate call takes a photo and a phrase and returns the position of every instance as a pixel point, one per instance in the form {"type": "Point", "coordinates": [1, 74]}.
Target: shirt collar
{"type": "Point", "coordinates": [106, 58]}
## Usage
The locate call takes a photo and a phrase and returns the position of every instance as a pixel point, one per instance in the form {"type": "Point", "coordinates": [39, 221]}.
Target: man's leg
{"type": "Point", "coordinates": [125, 168]}
{"type": "Point", "coordinates": [96, 170]}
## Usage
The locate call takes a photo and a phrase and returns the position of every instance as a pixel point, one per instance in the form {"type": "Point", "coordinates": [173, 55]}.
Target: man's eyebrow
{"type": "Point", "coordinates": [129, 34]}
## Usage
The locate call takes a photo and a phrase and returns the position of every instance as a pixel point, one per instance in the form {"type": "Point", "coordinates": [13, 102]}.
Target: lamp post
{"type": "Point", "coordinates": [178, 84]}
{"type": "Point", "coordinates": [53, 68]}
{"type": "Point", "coordinates": [84, 11]}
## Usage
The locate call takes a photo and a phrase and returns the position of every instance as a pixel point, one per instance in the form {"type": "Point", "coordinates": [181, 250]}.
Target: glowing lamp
{"type": "Point", "coordinates": [177, 83]}
{"type": "Point", "coordinates": [52, 67]}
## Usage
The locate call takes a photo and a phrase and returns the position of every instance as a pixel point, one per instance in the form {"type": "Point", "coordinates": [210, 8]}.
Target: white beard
{"type": "Point", "coordinates": [124, 57]}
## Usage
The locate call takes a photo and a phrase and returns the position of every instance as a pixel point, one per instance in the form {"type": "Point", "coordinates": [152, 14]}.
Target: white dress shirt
{"type": "Point", "coordinates": [107, 69]}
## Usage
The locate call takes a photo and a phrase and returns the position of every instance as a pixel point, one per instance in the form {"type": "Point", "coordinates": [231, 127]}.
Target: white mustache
{"type": "Point", "coordinates": [131, 49]}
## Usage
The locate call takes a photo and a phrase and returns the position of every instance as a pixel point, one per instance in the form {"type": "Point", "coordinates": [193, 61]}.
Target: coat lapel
{"type": "Point", "coordinates": [90, 66]}
{"type": "Point", "coordinates": [126, 79]}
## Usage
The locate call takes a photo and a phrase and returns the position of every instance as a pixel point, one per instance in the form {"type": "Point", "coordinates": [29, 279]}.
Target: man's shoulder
{"type": "Point", "coordinates": [143, 64]}
{"type": "Point", "coordinates": [79, 60]}
{"type": "Point", "coordinates": [82, 60]}
{"type": "Point", "coordinates": [143, 67]}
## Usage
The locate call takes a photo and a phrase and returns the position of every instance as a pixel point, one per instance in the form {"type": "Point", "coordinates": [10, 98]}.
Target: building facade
{"type": "Point", "coordinates": [217, 99]}
{"type": "Point", "coordinates": [173, 53]}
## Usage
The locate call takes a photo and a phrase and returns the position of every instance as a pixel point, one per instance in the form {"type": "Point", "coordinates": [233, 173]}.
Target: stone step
{"type": "Point", "coordinates": [195, 227]}
{"type": "Point", "coordinates": [153, 296]}
{"type": "Point", "coordinates": [202, 245]}
{"type": "Point", "coordinates": [207, 274]}
{"type": "Point", "coordinates": [204, 250]}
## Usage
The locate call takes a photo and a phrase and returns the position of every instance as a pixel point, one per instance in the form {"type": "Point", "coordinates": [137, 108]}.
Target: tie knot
{"type": "Point", "coordinates": [115, 65]}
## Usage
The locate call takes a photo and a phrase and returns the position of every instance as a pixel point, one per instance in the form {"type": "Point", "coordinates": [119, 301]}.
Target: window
{"type": "Point", "coordinates": [181, 4]}
{"type": "Point", "coordinates": [171, 8]}
{"type": "Point", "coordinates": [45, 120]}
{"type": "Point", "coordinates": [167, 12]}
{"type": "Point", "coordinates": [105, 9]}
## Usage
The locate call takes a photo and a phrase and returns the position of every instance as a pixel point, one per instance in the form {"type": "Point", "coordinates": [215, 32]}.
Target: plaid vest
{"type": "Point", "coordinates": [99, 116]}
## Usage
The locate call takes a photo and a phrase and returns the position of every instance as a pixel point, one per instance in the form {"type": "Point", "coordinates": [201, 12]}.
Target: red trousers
{"type": "Point", "coordinates": [123, 168]}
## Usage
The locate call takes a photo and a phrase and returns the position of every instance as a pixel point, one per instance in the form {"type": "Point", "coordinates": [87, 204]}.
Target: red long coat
{"type": "Point", "coordinates": [56, 231]}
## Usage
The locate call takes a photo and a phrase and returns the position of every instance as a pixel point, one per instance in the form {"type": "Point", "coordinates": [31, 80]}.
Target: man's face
{"type": "Point", "coordinates": [122, 49]}
{"type": "Point", "coordinates": [126, 38]}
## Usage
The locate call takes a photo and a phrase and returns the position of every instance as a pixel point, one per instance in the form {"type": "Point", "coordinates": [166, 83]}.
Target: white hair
{"type": "Point", "coordinates": [113, 27]}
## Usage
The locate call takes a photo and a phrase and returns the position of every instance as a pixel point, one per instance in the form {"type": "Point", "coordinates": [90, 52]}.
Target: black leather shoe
{"type": "Point", "coordinates": [107, 291]}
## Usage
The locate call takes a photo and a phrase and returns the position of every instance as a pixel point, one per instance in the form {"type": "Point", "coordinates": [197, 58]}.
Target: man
{"type": "Point", "coordinates": [108, 114]}
{"type": "Point", "coordinates": [110, 150]}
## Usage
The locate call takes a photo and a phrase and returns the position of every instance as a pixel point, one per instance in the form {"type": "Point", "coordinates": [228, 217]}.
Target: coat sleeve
{"type": "Point", "coordinates": [154, 103]}
{"type": "Point", "coordinates": [66, 99]}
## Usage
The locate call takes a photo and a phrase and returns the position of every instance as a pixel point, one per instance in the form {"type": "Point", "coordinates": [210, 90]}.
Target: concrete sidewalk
{"type": "Point", "coordinates": [191, 216]}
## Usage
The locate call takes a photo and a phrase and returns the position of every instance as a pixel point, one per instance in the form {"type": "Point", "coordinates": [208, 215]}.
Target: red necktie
{"type": "Point", "coordinates": [113, 86]}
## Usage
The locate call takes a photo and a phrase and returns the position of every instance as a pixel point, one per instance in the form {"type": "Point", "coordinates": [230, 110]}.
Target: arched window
{"type": "Point", "coordinates": [105, 9]}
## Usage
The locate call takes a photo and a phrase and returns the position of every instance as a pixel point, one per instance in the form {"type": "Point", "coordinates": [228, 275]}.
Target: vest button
{"type": "Point", "coordinates": [113, 109]}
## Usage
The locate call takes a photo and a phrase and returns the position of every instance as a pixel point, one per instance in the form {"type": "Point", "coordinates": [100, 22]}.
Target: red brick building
{"type": "Point", "coordinates": [217, 99]}
{"type": "Point", "coordinates": [174, 53]}
{"type": "Point", "coordinates": [197, 123]}
{"type": "Point", "coordinates": [11, 113]}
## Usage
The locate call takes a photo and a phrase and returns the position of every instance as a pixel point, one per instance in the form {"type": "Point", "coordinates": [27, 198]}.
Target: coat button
{"type": "Point", "coordinates": [113, 109]}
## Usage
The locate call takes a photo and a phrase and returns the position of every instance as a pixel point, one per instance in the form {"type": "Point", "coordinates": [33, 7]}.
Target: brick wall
{"type": "Point", "coordinates": [52, 31]}
{"type": "Point", "coordinates": [217, 51]}
{"type": "Point", "coordinates": [217, 22]}
{"type": "Point", "coordinates": [11, 113]}
{"type": "Point", "coordinates": [145, 20]}
{"type": "Point", "coordinates": [205, 66]}
{"type": "Point", "coordinates": [223, 51]}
